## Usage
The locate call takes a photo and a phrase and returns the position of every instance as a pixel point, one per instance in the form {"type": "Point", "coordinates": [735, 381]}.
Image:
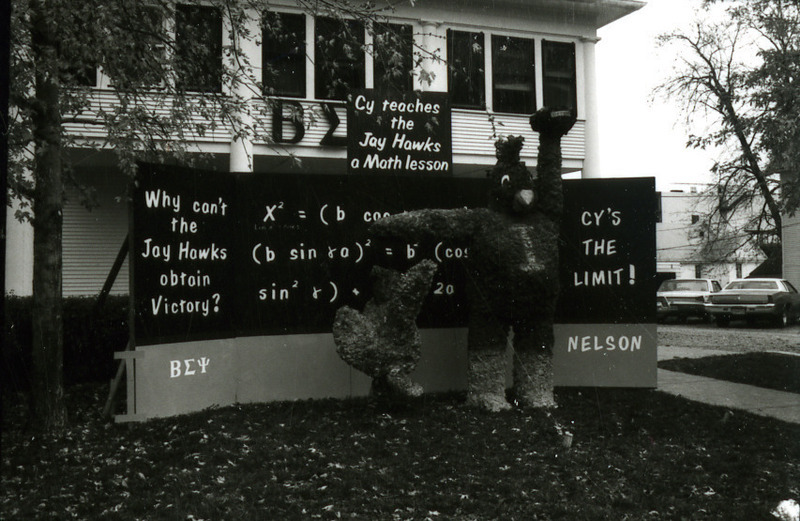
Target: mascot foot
{"type": "Point", "coordinates": [533, 379]}
{"type": "Point", "coordinates": [487, 379]}
{"type": "Point", "coordinates": [488, 402]}
{"type": "Point", "coordinates": [537, 400]}
{"type": "Point", "coordinates": [395, 386]}
{"type": "Point", "coordinates": [401, 385]}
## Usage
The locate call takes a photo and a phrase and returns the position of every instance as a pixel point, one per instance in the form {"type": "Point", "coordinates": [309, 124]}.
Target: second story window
{"type": "Point", "coordinates": [558, 75]}
{"type": "Point", "coordinates": [144, 64]}
{"type": "Point", "coordinates": [78, 61]}
{"type": "Point", "coordinates": [393, 57]}
{"type": "Point", "coordinates": [513, 75]}
{"type": "Point", "coordinates": [198, 48]}
{"type": "Point", "coordinates": [84, 75]}
{"type": "Point", "coordinates": [338, 58]}
{"type": "Point", "coordinates": [465, 63]}
{"type": "Point", "coordinates": [284, 54]}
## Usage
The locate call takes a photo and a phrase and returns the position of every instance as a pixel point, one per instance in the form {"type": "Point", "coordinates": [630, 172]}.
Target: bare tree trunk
{"type": "Point", "coordinates": [47, 389]}
{"type": "Point", "coordinates": [752, 161]}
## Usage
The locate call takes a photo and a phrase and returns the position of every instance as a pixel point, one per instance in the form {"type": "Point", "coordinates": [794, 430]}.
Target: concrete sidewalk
{"type": "Point", "coordinates": [765, 402]}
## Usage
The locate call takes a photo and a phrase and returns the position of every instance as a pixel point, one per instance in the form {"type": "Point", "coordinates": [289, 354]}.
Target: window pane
{"type": "Point", "coordinates": [339, 57]}
{"type": "Point", "coordinates": [560, 91]}
{"type": "Point", "coordinates": [78, 63]}
{"type": "Point", "coordinates": [513, 75]}
{"type": "Point", "coordinates": [198, 48]}
{"type": "Point", "coordinates": [465, 69]}
{"type": "Point", "coordinates": [83, 75]}
{"type": "Point", "coordinates": [144, 62]}
{"type": "Point", "coordinates": [393, 60]}
{"type": "Point", "coordinates": [150, 51]}
{"type": "Point", "coordinates": [284, 54]}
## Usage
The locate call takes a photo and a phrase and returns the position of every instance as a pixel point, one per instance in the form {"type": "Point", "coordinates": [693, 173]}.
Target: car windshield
{"type": "Point", "coordinates": [752, 284]}
{"type": "Point", "coordinates": [683, 285]}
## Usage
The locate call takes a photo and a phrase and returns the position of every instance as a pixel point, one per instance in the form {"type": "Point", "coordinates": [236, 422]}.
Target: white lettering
{"type": "Point", "coordinates": [155, 251]}
{"type": "Point", "coordinates": [590, 343]}
{"type": "Point", "coordinates": [159, 199]}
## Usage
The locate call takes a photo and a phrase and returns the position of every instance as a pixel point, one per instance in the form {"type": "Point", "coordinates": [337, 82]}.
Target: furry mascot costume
{"type": "Point", "coordinates": [512, 266]}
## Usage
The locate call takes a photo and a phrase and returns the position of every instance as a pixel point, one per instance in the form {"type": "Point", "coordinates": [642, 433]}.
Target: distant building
{"type": "Point", "coordinates": [689, 246]}
{"type": "Point", "coordinates": [790, 242]}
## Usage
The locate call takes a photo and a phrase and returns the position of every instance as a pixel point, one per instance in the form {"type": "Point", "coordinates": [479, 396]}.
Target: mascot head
{"type": "Point", "coordinates": [513, 190]}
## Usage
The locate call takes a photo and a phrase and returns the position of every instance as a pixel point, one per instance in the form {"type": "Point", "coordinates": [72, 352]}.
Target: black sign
{"type": "Point", "coordinates": [182, 252]}
{"type": "Point", "coordinates": [306, 250]}
{"type": "Point", "coordinates": [220, 255]}
{"type": "Point", "coordinates": [608, 252]}
{"type": "Point", "coordinates": [282, 254]}
{"type": "Point", "coordinates": [399, 134]}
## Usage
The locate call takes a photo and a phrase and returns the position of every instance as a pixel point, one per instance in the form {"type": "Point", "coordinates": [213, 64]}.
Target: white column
{"type": "Point", "coordinates": [19, 254]}
{"type": "Point", "coordinates": [244, 90]}
{"type": "Point", "coordinates": [434, 48]}
{"type": "Point", "coordinates": [591, 161]}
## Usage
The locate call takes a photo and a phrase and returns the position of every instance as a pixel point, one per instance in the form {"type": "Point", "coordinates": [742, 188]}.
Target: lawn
{"type": "Point", "coordinates": [769, 370]}
{"type": "Point", "coordinates": [637, 454]}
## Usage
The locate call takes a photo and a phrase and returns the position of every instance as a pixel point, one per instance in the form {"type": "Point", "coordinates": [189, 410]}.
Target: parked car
{"type": "Point", "coordinates": [750, 299]}
{"type": "Point", "coordinates": [684, 298]}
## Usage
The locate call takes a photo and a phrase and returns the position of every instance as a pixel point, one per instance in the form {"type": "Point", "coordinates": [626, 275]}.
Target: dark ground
{"type": "Point", "coordinates": [636, 454]}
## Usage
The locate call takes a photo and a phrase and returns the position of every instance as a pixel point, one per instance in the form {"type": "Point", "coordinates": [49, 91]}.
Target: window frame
{"type": "Point", "coordinates": [358, 63]}
{"type": "Point", "coordinates": [299, 61]}
{"type": "Point", "coordinates": [213, 82]}
{"type": "Point", "coordinates": [157, 48]}
{"type": "Point", "coordinates": [530, 104]}
{"type": "Point", "coordinates": [406, 32]}
{"type": "Point", "coordinates": [477, 78]}
{"type": "Point", "coordinates": [557, 77]}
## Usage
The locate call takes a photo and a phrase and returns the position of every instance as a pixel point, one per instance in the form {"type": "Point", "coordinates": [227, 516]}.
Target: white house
{"type": "Point", "coordinates": [518, 55]}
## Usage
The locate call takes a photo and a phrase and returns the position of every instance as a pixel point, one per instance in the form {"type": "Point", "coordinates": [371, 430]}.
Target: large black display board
{"type": "Point", "coordinates": [306, 251]}
{"type": "Point", "coordinates": [287, 253]}
{"type": "Point", "coordinates": [219, 255]}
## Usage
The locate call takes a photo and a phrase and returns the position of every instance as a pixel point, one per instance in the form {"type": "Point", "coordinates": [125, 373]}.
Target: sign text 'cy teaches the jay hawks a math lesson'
{"type": "Point", "coordinates": [408, 134]}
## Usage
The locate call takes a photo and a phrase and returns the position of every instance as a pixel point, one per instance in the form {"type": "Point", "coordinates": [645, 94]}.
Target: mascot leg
{"type": "Point", "coordinates": [487, 343]}
{"type": "Point", "coordinates": [533, 364]}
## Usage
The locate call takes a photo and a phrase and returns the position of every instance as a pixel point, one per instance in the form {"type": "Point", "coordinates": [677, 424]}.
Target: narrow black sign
{"type": "Point", "coordinates": [608, 252]}
{"type": "Point", "coordinates": [183, 253]}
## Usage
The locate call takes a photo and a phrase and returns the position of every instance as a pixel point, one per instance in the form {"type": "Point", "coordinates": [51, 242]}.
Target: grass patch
{"type": "Point", "coordinates": [637, 454]}
{"type": "Point", "coordinates": [767, 370]}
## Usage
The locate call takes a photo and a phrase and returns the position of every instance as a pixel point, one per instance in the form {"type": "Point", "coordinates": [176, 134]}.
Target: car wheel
{"type": "Point", "coordinates": [782, 320]}
{"type": "Point", "coordinates": [723, 321]}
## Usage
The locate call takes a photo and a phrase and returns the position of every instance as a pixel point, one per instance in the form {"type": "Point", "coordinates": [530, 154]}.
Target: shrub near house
{"type": "Point", "coordinates": [90, 339]}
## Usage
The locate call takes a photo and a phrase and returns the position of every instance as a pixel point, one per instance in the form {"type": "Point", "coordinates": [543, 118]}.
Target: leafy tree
{"type": "Point", "coordinates": [740, 64]}
{"type": "Point", "coordinates": [166, 87]}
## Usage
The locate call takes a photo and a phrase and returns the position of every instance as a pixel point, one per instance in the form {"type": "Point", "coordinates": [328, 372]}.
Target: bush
{"type": "Point", "coordinates": [90, 340]}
